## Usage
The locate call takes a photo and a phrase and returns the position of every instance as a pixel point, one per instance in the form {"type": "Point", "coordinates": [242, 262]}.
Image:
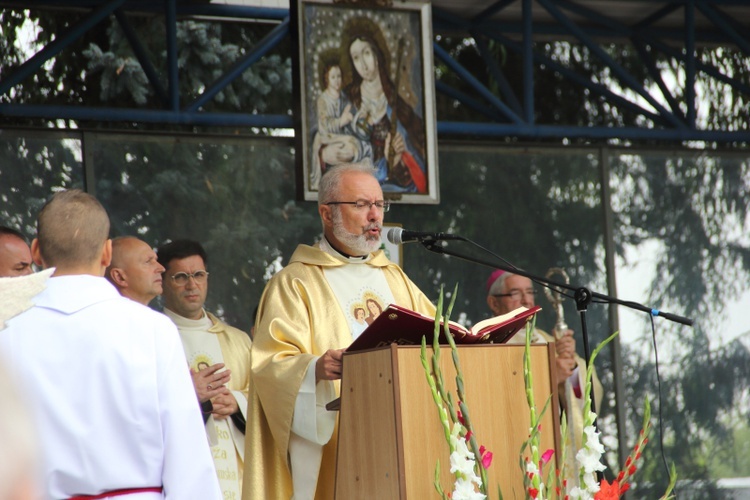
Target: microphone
{"type": "Point", "coordinates": [399, 236]}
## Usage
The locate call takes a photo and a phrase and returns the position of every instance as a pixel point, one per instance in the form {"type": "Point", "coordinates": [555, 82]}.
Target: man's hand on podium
{"type": "Point", "coordinates": [329, 365]}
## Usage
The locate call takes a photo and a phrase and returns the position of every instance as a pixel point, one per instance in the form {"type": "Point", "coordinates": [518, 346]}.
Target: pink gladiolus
{"type": "Point", "coordinates": [487, 459]}
{"type": "Point", "coordinates": [547, 455]}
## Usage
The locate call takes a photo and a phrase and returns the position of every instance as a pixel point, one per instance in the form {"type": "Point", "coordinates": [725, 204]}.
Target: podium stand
{"type": "Point", "coordinates": [390, 435]}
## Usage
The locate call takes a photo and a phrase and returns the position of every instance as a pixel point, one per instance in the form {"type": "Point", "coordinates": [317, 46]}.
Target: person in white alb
{"type": "Point", "coordinates": [218, 356]}
{"type": "Point", "coordinates": [104, 376]}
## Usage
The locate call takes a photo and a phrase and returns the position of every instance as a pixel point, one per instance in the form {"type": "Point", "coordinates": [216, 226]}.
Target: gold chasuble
{"type": "Point", "coordinates": [300, 317]}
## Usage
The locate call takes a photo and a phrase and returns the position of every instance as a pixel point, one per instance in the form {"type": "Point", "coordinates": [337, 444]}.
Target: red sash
{"type": "Point", "coordinates": [118, 493]}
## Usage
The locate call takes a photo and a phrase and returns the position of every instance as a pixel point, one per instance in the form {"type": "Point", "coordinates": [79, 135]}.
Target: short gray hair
{"type": "Point", "coordinates": [331, 180]}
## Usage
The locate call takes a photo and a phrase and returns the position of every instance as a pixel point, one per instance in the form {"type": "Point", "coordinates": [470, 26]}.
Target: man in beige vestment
{"type": "Point", "coordinates": [218, 356]}
{"type": "Point", "coordinates": [307, 318]}
{"type": "Point", "coordinates": [508, 291]}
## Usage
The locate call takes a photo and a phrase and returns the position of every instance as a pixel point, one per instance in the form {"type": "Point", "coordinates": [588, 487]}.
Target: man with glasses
{"type": "Point", "coordinates": [506, 292]}
{"type": "Point", "coordinates": [306, 319]}
{"type": "Point", "coordinates": [218, 356]}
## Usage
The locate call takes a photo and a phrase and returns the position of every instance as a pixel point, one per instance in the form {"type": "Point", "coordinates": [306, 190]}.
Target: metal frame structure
{"type": "Point", "coordinates": [510, 114]}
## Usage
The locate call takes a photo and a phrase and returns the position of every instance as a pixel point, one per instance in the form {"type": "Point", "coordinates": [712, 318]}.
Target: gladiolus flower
{"type": "Point", "coordinates": [608, 491]}
{"type": "Point", "coordinates": [547, 455]}
{"type": "Point", "coordinates": [487, 460]}
{"type": "Point", "coordinates": [533, 492]}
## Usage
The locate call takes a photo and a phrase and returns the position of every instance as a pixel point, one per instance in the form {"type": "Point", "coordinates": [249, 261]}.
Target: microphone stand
{"type": "Point", "coordinates": [581, 295]}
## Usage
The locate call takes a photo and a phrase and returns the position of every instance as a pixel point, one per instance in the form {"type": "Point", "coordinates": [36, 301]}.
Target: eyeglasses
{"type": "Point", "coordinates": [516, 294]}
{"type": "Point", "coordinates": [362, 204]}
{"type": "Point", "coordinates": [183, 278]}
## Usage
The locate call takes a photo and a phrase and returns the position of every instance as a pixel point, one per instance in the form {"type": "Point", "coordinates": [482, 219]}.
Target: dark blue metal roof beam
{"type": "Point", "coordinates": [492, 10]}
{"type": "Point", "coordinates": [690, 61]}
{"type": "Point", "coordinates": [654, 39]}
{"type": "Point", "coordinates": [705, 68]}
{"type": "Point", "coordinates": [656, 16]}
{"type": "Point", "coordinates": [147, 116]}
{"type": "Point", "coordinates": [60, 43]}
{"type": "Point", "coordinates": [618, 70]}
{"type": "Point", "coordinates": [142, 56]}
{"type": "Point", "coordinates": [573, 76]}
{"type": "Point", "coordinates": [719, 19]}
{"type": "Point", "coordinates": [170, 16]}
{"type": "Point", "coordinates": [441, 54]}
{"type": "Point", "coordinates": [497, 74]}
{"type": "Point", "coordinates": [268, 42]}
{"type": "Point", "coordinates": [467, 100]}
{"type": "Point", "coordinates": [557, 131]}
{"type": "Point", "coordinates": [528, 66]}
{"type": "Point", "coordinates": [648, 61]}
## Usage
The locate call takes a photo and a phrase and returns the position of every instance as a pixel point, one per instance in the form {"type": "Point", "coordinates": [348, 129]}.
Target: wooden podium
{"type": "Point", "coordinates": [390, 436]}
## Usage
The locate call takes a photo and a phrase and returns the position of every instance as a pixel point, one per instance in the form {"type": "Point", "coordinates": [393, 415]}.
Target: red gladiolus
{"type": "Point", "coordinates": [608, 491]}
{"type": "Point", "coordinates": [468, 435]}
{"type": "Point", "coordinates": [632, 470]}
{"type": "Point", "coordinates": [533, 492]}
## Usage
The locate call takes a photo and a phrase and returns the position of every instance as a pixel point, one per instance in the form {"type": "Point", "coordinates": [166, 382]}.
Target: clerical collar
{"type": "Point", "coordinates": [204, 323]}
{"type": "Point", "coordinates": [328, 247]}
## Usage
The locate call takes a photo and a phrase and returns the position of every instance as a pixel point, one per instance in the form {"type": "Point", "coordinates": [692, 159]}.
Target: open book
{"type": "Point", "coordinates": [405, 327]}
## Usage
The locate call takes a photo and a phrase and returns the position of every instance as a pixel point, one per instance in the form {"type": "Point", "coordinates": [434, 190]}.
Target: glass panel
{"type": "Point", "coordinates": [235, 196]}
{"type": "Point", "coordinates": [32, 167]}
{"type": "Point", "coordinates": [682, 227]}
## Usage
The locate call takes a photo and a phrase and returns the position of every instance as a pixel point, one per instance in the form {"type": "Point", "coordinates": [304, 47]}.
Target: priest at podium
{"type": "Point", "coordinates": [309, 313]}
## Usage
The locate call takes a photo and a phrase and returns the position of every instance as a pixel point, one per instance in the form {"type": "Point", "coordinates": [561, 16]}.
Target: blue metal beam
{"type": "Point", "coordinates": [497, 74]}
{"type": "Point", "coordinates": [60, 43]}
{"type": "Point", "coordinates": [618, 70]}
{"type": "Point", "coordinates": [170, 15]}
{"type": "Point", "coordinates": [468, 101]}
{"type": "Point", "coordinates": [476, 84]}
{"type": "Point", "coordinates": [723, 24]}
{"type": "Point", "coordinates": [268, 42]}
{"type": "Point", "coordinates": [690, 56]}
{"type": "Point", "coordinates": [147, 116]}
{"type": "Point", "coordinates": [555, 131]}
{"type": "Point", "coordinates": [142, 56]}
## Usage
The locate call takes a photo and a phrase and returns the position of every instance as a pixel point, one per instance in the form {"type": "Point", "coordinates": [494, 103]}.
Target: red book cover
{"type": "Point", "coordinates": [405, 327]}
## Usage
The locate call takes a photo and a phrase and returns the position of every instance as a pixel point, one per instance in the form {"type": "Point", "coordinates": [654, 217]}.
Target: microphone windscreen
{"type": "Point", "coordinates": [394, 235]}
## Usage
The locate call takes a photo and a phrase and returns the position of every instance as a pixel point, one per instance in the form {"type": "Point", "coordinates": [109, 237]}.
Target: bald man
{"type": "Point", "coordinates": [105, 377]}
{"type": "Point", "coordinates": [135, 270]}
{"type": "Point", "coordinates": [15, 254]}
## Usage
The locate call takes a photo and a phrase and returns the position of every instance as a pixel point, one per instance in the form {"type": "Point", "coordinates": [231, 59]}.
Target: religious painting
{"type": "Point", "coordinates": [366, 95]}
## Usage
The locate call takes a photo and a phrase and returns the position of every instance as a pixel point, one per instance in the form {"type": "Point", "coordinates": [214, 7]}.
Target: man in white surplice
{"type": "Point", "coordinates": [218, 356]}
{"type": "Point", "coordinates": [309, 313]}
{"type": "Point", "coordinates": [104, 376]}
